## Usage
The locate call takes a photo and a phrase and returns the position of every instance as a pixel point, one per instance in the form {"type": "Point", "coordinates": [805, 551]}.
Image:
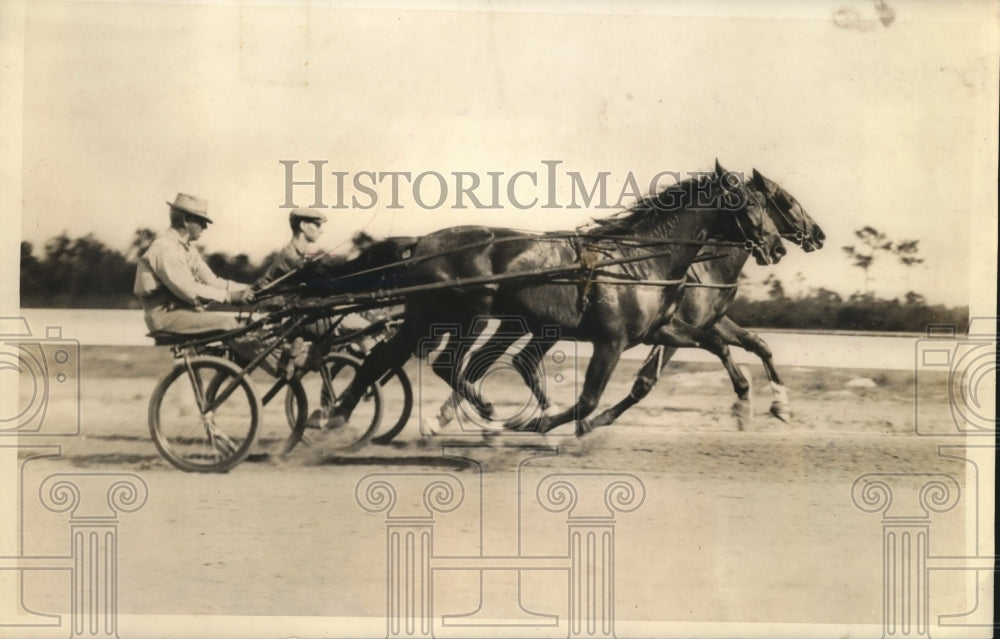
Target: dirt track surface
{"type": "Point", "coordinates": [751, 527]}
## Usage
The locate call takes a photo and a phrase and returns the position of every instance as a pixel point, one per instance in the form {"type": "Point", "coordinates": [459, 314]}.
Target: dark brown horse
{"type": "Point", "coordinates": [618, 303]}
{"type": "Point", "coordinates": [699, 322]}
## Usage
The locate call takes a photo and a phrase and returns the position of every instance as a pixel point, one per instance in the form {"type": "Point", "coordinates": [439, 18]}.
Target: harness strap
{"type": "Point", "coordinates": [588, 260]}
{"type": "Point", "coordinates": [800, 227]}
{"type": "Point", "coordinates": [636, 241]}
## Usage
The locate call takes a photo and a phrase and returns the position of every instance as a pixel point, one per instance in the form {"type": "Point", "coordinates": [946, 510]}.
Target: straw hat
{"type": "Point", "coordinates": [191, 204]}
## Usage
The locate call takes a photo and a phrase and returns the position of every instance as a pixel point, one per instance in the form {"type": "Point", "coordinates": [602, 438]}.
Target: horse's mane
{"type": "Point", "coordinates": [648, 211]}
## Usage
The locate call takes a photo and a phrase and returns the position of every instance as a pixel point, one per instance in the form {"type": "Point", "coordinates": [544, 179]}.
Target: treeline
{"type": "Point", "coordinates": [85, 273]}
{"type": "Point", "coordinates": [822, 309]}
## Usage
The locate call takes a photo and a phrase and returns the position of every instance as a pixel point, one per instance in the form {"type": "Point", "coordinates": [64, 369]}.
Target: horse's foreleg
{"type": "Point", "coordinates": [742, 409]}
{"type": "Point", "coordinates": [667, 340]}
{"type": "Point", "coordinates": [733, 333]}
{"type": "Point", "coordinates": [602, 363]}
{"type": "Point", "coordinates": [716, 345]}
{"type": "Point", "coordinates": [646, 378]}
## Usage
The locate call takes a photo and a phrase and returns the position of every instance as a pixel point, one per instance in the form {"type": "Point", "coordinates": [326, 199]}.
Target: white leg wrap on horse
{"type": "Point", "coordinates": [780, 393]}
{"type": "Point", "coordinates": [447, 411]}
{"type": "Point", "coordinates": [430, 425]}
{"type": "Point", "coordinates": [780, 407]}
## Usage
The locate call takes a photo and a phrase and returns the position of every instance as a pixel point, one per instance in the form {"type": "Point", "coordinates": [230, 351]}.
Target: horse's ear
{"type": "Point", "coordinates": [759, 180]}
{"type": "Point", "coordinates": [728, 181]}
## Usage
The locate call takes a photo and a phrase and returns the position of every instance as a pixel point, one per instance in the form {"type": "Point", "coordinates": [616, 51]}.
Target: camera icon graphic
{"type": "Point", "coordinates": [46, 374]}
{"type": "Point", "coordinates": [512, 373]}
{"type": "Point", "coordinates": [958, 371]}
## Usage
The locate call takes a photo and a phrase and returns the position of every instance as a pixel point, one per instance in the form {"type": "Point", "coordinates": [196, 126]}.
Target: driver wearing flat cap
{"type": "Point", "coordinates": [172, 279]}
{"type": "Point", "coordinates": [307, 226]}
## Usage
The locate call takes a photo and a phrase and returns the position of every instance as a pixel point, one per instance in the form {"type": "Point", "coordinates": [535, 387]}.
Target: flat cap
{"type": "Point", "coordinates": [307, 214]}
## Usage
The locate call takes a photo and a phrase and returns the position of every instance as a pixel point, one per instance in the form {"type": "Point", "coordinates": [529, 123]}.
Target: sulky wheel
{"type": "Point", "coordinates": [324, 389]}
{"type": "Point", "coordinates": [203, 415]}
{"type": "Point", "coordinates": [397, 402]}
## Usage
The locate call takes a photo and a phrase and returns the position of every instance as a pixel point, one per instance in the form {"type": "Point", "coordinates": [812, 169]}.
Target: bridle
{"type": "Point", "coordinates": [750, 243]}
{"type": "Point", "coordinates": [798, 234]}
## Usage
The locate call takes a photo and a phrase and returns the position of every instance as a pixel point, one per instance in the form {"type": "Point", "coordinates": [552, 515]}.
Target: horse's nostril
{"type": "Point", "coordinates": [779, 251]}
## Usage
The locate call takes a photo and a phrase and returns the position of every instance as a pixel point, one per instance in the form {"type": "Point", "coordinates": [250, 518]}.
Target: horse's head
{"type": "Point", "coordinates": [792, 221]}
{"type": "Point", "coordinates": [752, 223]}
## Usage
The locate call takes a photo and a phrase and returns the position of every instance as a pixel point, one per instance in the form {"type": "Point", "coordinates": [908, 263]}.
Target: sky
{"type": "Point", "coordinates": [123, 105]}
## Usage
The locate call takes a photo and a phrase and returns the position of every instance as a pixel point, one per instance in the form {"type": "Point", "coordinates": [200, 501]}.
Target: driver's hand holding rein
{"type": "Point", "coordinates": [172, 280]}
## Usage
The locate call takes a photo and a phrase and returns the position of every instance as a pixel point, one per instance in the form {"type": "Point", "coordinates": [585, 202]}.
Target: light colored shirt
{"type": "Point", "coordinates": [172, 262]}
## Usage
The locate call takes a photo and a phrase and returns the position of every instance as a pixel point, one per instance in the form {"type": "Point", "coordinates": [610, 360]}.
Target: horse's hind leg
{"type": "Point", "coordinates": [443, 362]}
{"type": "Point", "coordinates": [525, 352]}
{"type": "Point", "coordinates": [527, 363]}
{"type": "Point", "coordinates": [385, 356]}
{"type": "Point", "coordinates": [732, 333]}
{"type": "Point", "coordinates": [453, 365]}
{"type": "Point", "coordinates": [496, 339]}
{"type": "Point", "coordinates": [647, 377]}
{"type": "Point", "coordinates": [463, 362]}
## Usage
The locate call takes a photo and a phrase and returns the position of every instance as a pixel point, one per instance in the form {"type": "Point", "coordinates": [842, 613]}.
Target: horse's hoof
{"type": "Point", "coordinates": [315, 419]}
{"type": "Point", "coordinates": [335, 421]}
{"type": "Point", "coordinates": [781, 411]}
{"type": "Point", "coordinates": [429, 427]}
{"type": "Point", "coordinates": [444, 420]}
{"type": "Point", "coordinates": [743, 414]}
{"type": "Point", "coordinates": [584, 427]}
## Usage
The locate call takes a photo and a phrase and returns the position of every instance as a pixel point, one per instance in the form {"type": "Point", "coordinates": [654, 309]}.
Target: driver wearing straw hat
{"type": "Point", "coordinates": [173, 281]}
